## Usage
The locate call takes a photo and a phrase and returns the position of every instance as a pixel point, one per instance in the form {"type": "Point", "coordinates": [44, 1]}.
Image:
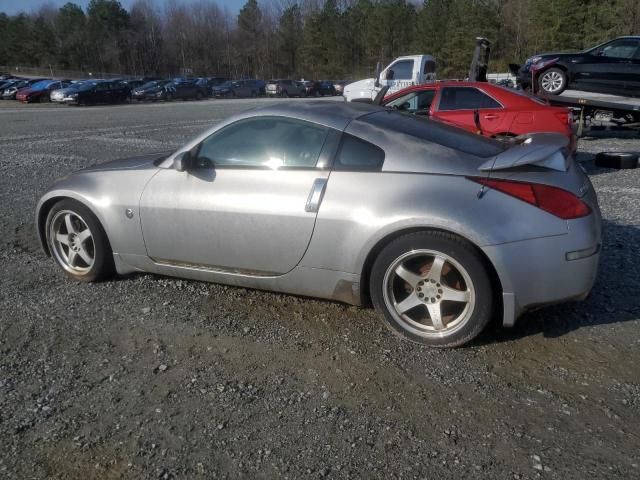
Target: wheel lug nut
{"type": "Point", "coordinates": [419, 289]}
{"type": "Point", "coordinates": [438, 297]}
{"type": "Point", "coordinates": [433, 300]}
{"type": "Point", "coordinates": [420, 295]}
{"type": "Point", "coordinates": [439, 290]}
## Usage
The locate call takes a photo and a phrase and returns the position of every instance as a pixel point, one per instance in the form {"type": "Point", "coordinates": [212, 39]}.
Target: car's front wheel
{"type": "Point", "coordinates": [553, 81]}
{"type": "Point", "coordinates": [78, 242]}
{"type": "Point", "coordinates": [432, 288]}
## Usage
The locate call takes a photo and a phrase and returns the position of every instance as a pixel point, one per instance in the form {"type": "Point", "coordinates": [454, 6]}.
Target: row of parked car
{"type": "Point", "coordinates": [98, 91]}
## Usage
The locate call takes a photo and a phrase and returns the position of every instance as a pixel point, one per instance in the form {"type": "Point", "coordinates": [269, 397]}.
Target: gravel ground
{"type": "Point", "coordinates": [151, 377]}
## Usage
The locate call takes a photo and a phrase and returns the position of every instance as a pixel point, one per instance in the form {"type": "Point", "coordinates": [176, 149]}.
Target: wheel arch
{"type": "Point", "coordinates": [45, 206]}
{"type": "Point", "coordinates": [365, 274]}
{"type": "Point", "coordinates": [560, 65]}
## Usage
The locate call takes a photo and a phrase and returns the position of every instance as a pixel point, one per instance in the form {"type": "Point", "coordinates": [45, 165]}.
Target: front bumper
{"type": "Point", "coordinates": [537, 272]}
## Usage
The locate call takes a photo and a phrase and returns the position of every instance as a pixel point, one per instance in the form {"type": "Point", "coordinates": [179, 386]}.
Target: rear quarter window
{"type": "Point", "coordinates": [355, 154]}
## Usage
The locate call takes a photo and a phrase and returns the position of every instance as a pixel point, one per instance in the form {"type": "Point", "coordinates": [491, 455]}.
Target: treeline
{"type": "Point", "coordinates": [304, 39]}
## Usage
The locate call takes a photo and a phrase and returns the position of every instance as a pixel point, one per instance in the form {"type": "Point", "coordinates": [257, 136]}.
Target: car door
{"type": "Point", "coordinates": [248, 204]}
{"type": "Point", "coordinates": [610, 67]}
{"type": "Point", "coordinates": [398, 75]}
{"type": "Point", "coordinates": [458, 105]}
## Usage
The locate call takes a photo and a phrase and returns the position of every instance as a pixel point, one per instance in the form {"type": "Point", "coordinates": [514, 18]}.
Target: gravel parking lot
{"type": "Point", "coordinates": [151, 377]}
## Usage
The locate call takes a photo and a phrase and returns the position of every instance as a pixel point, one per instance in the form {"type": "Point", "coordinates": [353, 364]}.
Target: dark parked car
{"type": "Point", "coordinates": [184, 89]}
{"type": "Point", "coordinates": [153, 90]}
{"type": "Point", "coordinates": [41, 91]}
{"type": "Point", "coordinates": [317, 88]}
{"type": "Point", "coordinates": [237, 88]}
{"type": "Point", "coordinates": [9, 93]}
{"type": "Point", "coordinates": [207, 84]}
{"type": "Point", "coordinates": [286, 88]}
{"type": "Point", "coordinates": [325, 87]}
{"type": "Point", "coordinates": [98, 91]}
{"type": "Point", "coordinates": [4, 84]}
{"type": "Point", "coordinates": [613, 67]}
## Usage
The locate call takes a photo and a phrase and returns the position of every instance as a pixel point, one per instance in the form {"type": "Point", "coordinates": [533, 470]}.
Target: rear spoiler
{"type": "Point", "coordinates": [547, 150]}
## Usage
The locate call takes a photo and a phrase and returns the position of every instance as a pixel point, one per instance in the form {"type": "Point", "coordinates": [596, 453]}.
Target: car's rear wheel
{"type": "Point", "coordinates": [198, 96]}
{"type": "Point", "coordinates": [78, 242]}
{"type": "Point", "coordinates": [432, 288]}
{"type": "Point", "coordinates": [553, 81]}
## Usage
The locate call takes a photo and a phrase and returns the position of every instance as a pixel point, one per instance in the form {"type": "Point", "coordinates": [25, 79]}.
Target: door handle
{"type": "Point", "coordinates": [490, 116]}
{"type": "Point", "coordinates": [315, 195]}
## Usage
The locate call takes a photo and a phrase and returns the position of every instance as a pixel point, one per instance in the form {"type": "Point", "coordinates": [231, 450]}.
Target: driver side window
{"type": "Point", "coordinates": [414, 101]}
{"type": "Point", "coordinates": [265, 142]}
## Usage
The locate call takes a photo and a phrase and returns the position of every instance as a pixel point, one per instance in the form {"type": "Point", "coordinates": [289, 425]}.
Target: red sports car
{"type": "Point", "coordinates": [502, 112]}
{"type": "Point", "coordinates": [40, 91]}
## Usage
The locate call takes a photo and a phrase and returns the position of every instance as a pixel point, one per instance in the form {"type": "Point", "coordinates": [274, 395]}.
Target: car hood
{"type": "Point", "coordinates": [360, 89]}
{"type": "Point", "coordinates": [139, 162]}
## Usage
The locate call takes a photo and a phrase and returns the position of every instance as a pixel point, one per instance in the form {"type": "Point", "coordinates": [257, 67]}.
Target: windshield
{"type": "Point", "coordinates": [226, 84]}
{"type": "Point", "coordinates": [522, 93]}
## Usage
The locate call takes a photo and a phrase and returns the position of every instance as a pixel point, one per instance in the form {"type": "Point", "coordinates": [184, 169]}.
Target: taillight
{"type": "Point", "coordinates": [554, 200]}
{"type": "Point", "coordinates": [565, 117]}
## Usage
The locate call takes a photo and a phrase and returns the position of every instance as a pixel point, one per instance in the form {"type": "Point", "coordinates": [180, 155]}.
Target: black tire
{"type": "Point", "coordinates": [198, 96]}
{"type": "Point", "coordinates": [285, 94]}
{"type": "Point", "coordinates": [168, 97]}
{"type": "Point", "coordinates": [477, 311]}
{"type": "Point", "coordinates": [617, 160]}
{"type": "Point", "coordinates": [103, 265]}
{"type": "Point", "coordinates": [552, 81]}
{"type": "Point", "coordinates": [254, 94]}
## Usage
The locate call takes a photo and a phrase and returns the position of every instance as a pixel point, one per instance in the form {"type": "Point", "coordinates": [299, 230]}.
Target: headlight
{"type": "Point", "coordinates": [73, 95]}
{"type": "Point", "coordinates": [159, 94]}
{"type": "Point", "coordinates": [534, 60]}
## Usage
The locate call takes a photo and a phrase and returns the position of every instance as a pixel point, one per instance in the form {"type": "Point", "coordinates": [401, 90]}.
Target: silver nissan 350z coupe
{"type": "Point", "coordinates": [438, 228]}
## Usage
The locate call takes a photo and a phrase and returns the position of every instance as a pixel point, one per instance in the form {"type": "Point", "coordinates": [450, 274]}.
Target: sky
{"type": "Point", "coordinates": [15, 6]}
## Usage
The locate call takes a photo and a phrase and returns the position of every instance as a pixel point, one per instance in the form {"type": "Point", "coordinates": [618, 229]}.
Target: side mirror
{"type": "Point", "coordinates": [182, 161]}
{"type": "Point", "coordinates": [389, 75]}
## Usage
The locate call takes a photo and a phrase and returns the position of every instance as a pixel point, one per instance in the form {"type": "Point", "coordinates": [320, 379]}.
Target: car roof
{"type": "Point", "coordinates": [330, 113]}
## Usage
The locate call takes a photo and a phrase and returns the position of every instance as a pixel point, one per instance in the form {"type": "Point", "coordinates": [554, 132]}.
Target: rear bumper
{"type": "Point", "coordinates": [539, 272]}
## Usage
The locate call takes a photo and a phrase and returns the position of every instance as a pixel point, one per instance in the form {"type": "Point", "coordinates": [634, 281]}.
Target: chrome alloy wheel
{"type": "Point", "coordinates": [72, 242]}
{"type": "Point", "coordinates": [428, 293]}
{"type": "Point", "coordinates": [552, 81]}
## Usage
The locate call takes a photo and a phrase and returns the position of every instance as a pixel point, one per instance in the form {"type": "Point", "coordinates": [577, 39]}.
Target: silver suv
{"type": "Point", "coordinates": [286, 88]}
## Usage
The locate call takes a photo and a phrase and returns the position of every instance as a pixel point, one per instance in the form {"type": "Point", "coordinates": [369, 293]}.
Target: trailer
{"type": "Point", "coordinates": [588, 107]}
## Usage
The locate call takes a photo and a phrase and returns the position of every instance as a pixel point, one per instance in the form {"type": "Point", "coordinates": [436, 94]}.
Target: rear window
{"type": "Point", "coordinates": [465, 98]}
{"type": "Point", "coordinates": [436, 132]}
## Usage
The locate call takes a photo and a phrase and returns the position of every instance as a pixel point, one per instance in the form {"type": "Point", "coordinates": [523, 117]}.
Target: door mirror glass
{"type": "Point", "coordinates": [182, 161]}
{"type": "Point", "coordinates": [389, 75]}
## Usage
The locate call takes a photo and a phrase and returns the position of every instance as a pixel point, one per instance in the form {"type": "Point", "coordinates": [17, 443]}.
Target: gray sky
{"type": "Point", "coordinates": [14, 6]}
